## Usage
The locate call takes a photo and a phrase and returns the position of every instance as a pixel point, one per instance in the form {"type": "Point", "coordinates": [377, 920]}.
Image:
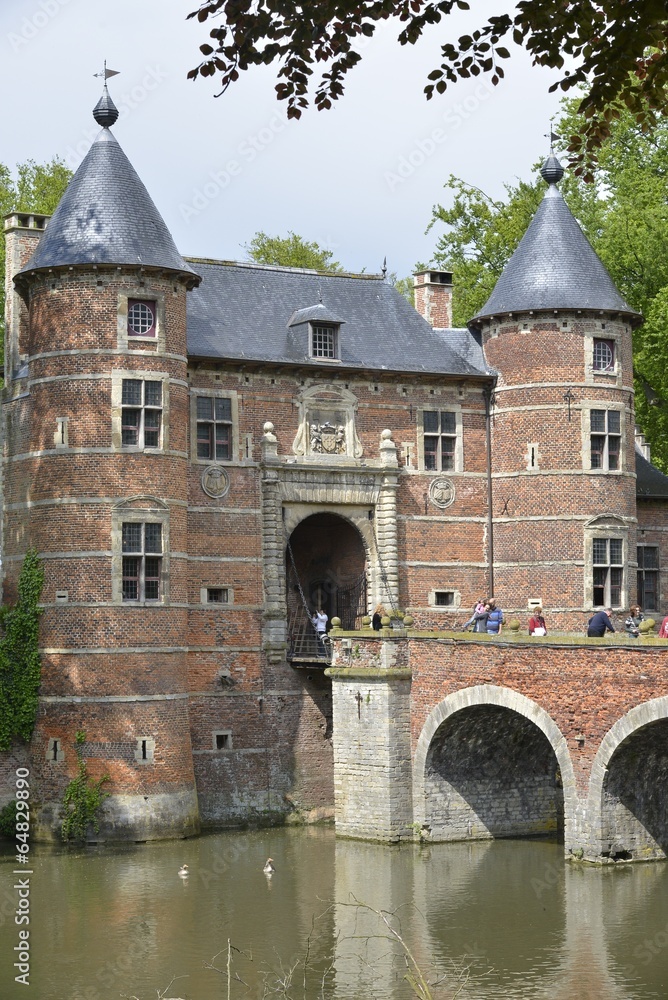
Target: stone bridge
{"type": "Point", "coordinates": [457, 737]}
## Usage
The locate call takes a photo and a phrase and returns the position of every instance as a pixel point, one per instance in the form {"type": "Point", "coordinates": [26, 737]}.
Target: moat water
{"type": "Point", "coordinates": [495, 921]}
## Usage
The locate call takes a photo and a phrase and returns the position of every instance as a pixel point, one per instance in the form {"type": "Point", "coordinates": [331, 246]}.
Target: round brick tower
{"type": "Point", "coordinates": [563, 465]}
{"type": "Point", "coordinates": [95, 480]}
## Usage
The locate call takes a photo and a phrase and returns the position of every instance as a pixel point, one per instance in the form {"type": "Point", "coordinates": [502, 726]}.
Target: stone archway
{"type": "Point", "coordinates": [491, 763]}
{"type": "Point", "coordinates": [327, 559]}
{"type": "Point", "coordinates": [626, 801]}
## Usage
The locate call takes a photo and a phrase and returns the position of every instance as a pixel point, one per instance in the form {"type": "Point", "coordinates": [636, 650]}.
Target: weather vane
{"type": "Point", "coordinates": [107, 73]}
{"type": "Point", "coordinates": [552, 136]}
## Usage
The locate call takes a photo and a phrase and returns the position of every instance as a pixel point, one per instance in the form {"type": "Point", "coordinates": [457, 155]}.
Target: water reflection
{"type": "Point", "coordinates": [498, 920]}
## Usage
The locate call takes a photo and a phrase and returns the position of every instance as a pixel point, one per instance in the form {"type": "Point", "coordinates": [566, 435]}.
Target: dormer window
{"type": "Point", "coordinates": [141, 318]}
{"type": "Point", "coordinates": [324, 341]}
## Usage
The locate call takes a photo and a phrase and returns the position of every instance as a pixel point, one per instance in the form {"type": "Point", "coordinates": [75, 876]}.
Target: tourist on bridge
{"type": "Point", "coordinates": [537, 622]}
{"type": "Point", "coordinates": [320, 620]}
{"type": "Point", "coordinates": [478, 610]}
{"type": "Point", "coordinates": [495, 619]}
{"type": "Point", "coordinates": [632, 623]}
{"type": "Point", "coordinates": [600, 623]}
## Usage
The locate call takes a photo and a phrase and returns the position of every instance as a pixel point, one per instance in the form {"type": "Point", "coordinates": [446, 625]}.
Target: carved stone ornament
{"type": "Point", "coordinates": [215, 481]}
{"type": "Point", "coordinates": [327, 438]}
{"type": "Point", "coordinates": [442, 492]}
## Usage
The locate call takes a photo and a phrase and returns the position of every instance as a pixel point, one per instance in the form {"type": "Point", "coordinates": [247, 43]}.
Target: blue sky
{"type": "Point", "coordinates": [360, 179]}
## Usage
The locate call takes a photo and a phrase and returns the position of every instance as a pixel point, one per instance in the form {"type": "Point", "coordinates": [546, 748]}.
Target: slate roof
{"type": "Point", "coordinates": [106, 216]}
{"type": "Point", "coordinates": [554, 266]}
{"type": "Point", "coordinates": [651, 484]}
{"type": "Point", "coordinates": [259, 313]}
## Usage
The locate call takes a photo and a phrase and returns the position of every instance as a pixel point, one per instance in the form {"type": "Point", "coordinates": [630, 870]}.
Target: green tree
{"type": "Point", "coordinates": [624, 212]}
{"type": "Point", "coordinates": [617, 49]}
{"type": "Point", "coordinates": [290, 251]}
{"type": "Point", "coordinates": [35, 187]}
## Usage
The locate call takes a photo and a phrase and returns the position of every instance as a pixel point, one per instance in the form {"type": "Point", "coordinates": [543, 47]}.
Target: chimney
{"type": "Point", "coordinates": [22, 234]}
{"type": "Point", "coordinates": [433, 297]}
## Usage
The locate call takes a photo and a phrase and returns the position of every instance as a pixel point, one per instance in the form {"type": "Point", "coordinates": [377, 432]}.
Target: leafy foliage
{"type": "Point", "coordinates": [290, 251]}
{"type": "Point", "coordinates": [8, 820]}
{"type": "Point", "coordinates": [617, 49]}
{"type": "Point", "coordinates": [82, 800]}
{"type": "Point", "coordinates": [35, 188]}
{"type": "Point", "coordinates": [20, 667]}
{"type": "Point", "coordinates": [624, 213]}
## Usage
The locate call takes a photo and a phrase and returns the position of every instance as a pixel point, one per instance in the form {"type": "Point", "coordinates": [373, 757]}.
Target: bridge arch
{"type": "Point", "coordinates": [520, 722]}
{"type": "Point", "coordinates": [627, 816]}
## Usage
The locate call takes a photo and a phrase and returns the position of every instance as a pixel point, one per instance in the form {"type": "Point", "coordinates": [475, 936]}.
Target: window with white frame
{"type": "Point", "coordinates": [608, 571]}
{"type": "Point", "coordinates": [605, 439]}
{"type": "Point", "coordinates": [214, 427]}
{"type": "Point", "coordinates": [141, 413]}
{"type": "Point", "coordinates": [141, 318]}
{"type": "Point", "coordinates": [648, 577]}
{"type": "Point", "coordinates": [603, 356]}
{"type": "Point", "coordinates": [324, 341]}
{"type": "Point", "coordinates": [439, 439]}
{"type": "Point", "coordinates": [141, 546]}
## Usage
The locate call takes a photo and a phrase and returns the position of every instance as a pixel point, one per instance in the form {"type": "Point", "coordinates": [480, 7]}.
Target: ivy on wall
{"type": "Point", "coordinates": [20, 667]}
{"type": "Point", "coordinates": [82, 800]}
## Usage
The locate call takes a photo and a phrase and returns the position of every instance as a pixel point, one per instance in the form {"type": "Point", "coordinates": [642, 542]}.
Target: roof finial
{"type": "Point", "coordinates": [105, 111]}
{"type": "Point", "coordinates": [384, 268]}
{"type": "Point", "coordinates": [552, 171]}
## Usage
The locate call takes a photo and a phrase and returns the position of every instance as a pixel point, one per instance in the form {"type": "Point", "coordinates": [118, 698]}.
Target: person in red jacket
{"type": "Point", "coordinates": [537, 622]}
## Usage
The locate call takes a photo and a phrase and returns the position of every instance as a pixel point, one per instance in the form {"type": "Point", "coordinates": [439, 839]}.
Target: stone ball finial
{"type": "Point", "coordinates": [386, 435]}
{"type": "Point", "coordinates": [552, 171]}
{"type": "Point", "coordinates": [268, 427]}
{"type": "Point", "coordinates": [105, 111]}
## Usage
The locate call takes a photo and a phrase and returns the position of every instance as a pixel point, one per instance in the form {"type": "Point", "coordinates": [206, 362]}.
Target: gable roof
{"type": "Point", "coordinates": [107, 216]}
{"type": "Point", "coordinates": [258, 312]}
{"type": "Point", "coordinates": [554, 265]}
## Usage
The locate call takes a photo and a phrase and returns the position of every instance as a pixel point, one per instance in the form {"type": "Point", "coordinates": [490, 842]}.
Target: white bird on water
{"type": "Point", "coordinates": [183, 871]}
{"type": "Point", "coordinates": [269, 867]}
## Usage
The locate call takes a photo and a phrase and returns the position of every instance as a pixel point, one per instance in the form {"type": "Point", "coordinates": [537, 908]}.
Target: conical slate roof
{"type": "Point", "coordinates": [107, 216]}
{"type": "Point", "coordinates": [554, 266]}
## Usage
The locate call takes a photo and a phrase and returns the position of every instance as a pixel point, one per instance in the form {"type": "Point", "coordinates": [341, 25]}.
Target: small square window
{"type": "Point", "coordinates": [141, 318]}
{"type": "Point", "coordinates": [223, 741]}
{"type": "Point", "coordinates": [444, 598]}
{"type": "Point", "coordinates": [217, 595]}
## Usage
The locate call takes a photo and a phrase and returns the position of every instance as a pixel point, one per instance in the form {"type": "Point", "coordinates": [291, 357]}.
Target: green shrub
{"type": "Point", "coordinates": [8, 820]}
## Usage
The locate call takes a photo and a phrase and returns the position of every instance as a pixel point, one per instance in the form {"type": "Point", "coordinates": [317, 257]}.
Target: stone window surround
{"type": "Point", "coordinates": [587, 406]}
{"type": "Point", "coordinates": [150, 750]}
{"type": "Point", "coordinates": [456, 603]}
{"type": "Point", "coordinates": [614, 334]}
{"type": "Point", "coordinates": [214, 393]}
{"type": "Point", "coordinates": [139, 292]}
{"type": "Point", "coordinates": [60, 753]}
{"type": "Point", "coordinates": [226, 735]}
{"type": "Point", "coordinates": [117, 376]}
{"type": "Point", "coordinates": [121, 513]}
{"type": "Point", "coordinates": [203, 595]}
{"type": "Point", "coordinates": [459, 442]}
{"type": "Point", "coordinates": [605, 526]}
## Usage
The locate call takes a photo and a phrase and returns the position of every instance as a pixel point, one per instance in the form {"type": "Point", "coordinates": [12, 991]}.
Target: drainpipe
{"type": "Point", "coordinates": [488, 395]}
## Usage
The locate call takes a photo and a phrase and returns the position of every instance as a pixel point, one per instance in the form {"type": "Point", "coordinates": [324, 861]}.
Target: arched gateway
{"type": "Point", "coordinates": [491, 763]}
